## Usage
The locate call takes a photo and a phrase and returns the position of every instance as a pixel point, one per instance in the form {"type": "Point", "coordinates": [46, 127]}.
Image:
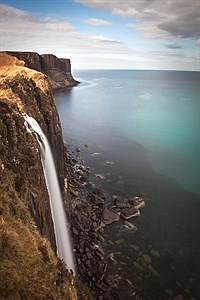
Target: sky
{"type": "Point", "coordinates": [106, 34]}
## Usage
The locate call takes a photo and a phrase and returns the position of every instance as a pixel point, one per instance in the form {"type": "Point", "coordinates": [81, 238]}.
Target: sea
{"type": "Point", "coordinates": [142, 135]}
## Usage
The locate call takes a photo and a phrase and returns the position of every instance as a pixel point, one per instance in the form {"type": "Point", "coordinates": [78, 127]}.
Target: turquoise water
{"type": "Point", "coordinates": [147, 124]}
{"type": "Point", "coordinates": [159, 110]}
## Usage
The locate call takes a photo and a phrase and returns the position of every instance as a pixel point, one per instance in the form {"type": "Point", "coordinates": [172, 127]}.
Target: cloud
{"type": "Point", "coordinates": [173, 46]}
{"type": "Point", "coordinates": [151, 31]}
{"type": "Point", "coordinates": [171, 19]}
{"type": "Point", "coordinates": [104, 39]}
{"type": "Point", "coordinates": [97, 22]}
{"type": "Point", "coordinates": [21, 31]}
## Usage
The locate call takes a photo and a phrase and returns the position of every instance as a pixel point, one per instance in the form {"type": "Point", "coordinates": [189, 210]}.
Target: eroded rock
{"type": "Point", "coordinates": [109, 216]}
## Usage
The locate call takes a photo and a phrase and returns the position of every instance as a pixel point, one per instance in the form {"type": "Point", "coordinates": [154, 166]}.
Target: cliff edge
{"type": "Point", "coordinates": [58, 70]}
{"type": "Point", "coordinates": [29, 268]}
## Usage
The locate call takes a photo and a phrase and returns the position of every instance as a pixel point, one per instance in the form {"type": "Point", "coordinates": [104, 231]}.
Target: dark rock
{"type": "Point", "coordinates": [89, 255]}
{"type": "Point", "coordinates": [121, 202]}
{"type": "Point", "coordinates": [100, 226]}
{"type": "Point", "coordinates": [74, 193]}
{"type": "Point", "coordinates": [130, 225]}
{"type": "Point", "coordinates": [96, 200]}
{"type": "Point", "coordinates": [128, 282]}
{"type": "Point", "coordinates": [99, 193]}
{"type": "Point", "coordinates": [128, 213]}
{"type": "Point", "coordinates": [138, 202]}
{"type": "Point", "coordinates": [74, 231]}
{"type": "Point", "coordinates": [109, 216]}
{"type": "Point", "coordinates": [83, 179]}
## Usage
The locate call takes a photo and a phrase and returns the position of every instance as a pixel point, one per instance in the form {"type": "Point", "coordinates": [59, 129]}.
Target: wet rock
{"type": "Point", "coordinates": [155, 253]}
{"type": "Point", "coordinates": [111, 258]}
{"type": "Point", "coordinates": [128, 282]}
{"type": "Point", "coordinates": [130, 225]}
{"type": "Point", "coordinates": [138, 266]}
{"type": "Point", "coordinates": [153, 271]}
{"type": "Point", "coordinates": [83, 179]}
{"type": "Point", "coordinates": [131, 212]}
{"type": "Point", "coordinates": [121, 202]}
{"type": "Point", "coordinates": [119, 242]}
{"type": "Point", "coordinates": [89, 255]}
{"type": "Point", "coordinates": [96, 200]}
{"type": "Point", "coordinates": [99, 176]}
{"type": "Point", "coordinates": [109, 216]}
{"type": "Point", "coordinates": [147, 258]}
{"type": "Point", "coordinates": [73, 192]}
{"type": "Point", "coordinates": [109, 162]}
{"type": "Point", "coordinates": [135, 247]}
{"type": "Point", "coordinates": [74, 231]}
{"type": "Point", "coordinates": [99, 193]}
{"type": "Point", "coordinates": [138, 202]}
{"type": "Point", "coordinates": [100, 226]}
{"type": "Point", "coordinates": [90, 184]}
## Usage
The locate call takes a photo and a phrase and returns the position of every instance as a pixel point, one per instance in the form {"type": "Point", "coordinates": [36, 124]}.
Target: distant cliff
{"type": "Point", "coordinates": [29, 268]}
{"type": "Point", "coordinates": [58, 70]}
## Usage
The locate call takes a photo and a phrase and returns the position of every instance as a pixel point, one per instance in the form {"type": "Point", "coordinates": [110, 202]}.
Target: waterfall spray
{"type": "Point", "coordinates": [63, 241]}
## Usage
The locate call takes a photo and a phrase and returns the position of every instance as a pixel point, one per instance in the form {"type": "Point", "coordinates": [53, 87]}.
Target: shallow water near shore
{"type": "Point", "coordinates": [142, 131]}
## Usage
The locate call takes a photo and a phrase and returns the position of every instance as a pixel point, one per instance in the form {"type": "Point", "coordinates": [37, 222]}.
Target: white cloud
{"type": "Point", "coordinates": [151, 31]}
{"type": "Point", "coordinates": [21, 31]}
{"type": "Point", "coordinates": [178, 18]}
{"type": "Point", "coordinates": [97, 22]}
{"type": "Point", "coordinates": [60, 26]}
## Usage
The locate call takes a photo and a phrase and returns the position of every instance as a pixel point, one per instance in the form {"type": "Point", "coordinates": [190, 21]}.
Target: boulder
{"type": "Point", "coordinates": [131, 212]}
{"type": "Point", "coordinates": [138, 202]}
{"type": "Point", "coordinates": [109, 216]}
{"type": "Point", "coordinates": [99, 193]}
{"type": "Point", "coordinates": [121, 202]}
{"type": "Point", "coordinates": [96, 200]}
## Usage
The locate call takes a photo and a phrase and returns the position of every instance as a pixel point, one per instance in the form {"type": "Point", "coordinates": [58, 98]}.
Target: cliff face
{"type": "Point", "coordinates": [26, 91]}
{"type": "Point", "coordinates": [58, 70]}
{"type": "Point", "coordinates": [29, 268]}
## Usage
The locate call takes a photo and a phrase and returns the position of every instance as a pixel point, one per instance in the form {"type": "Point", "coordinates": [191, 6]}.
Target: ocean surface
{"type": "Point", "coordinates": [143, 134]}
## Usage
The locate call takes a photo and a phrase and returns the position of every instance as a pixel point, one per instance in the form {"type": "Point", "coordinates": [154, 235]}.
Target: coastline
{"type": "Point", "coordinates": [86, 212]}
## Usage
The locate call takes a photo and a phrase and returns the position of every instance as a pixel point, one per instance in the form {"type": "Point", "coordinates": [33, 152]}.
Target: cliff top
{"type": "Point", "coordinates": [10, 68]}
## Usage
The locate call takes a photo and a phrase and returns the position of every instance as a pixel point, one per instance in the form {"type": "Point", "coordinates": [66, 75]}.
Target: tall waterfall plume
{"type": "Point", "coordinates": [63, 241]}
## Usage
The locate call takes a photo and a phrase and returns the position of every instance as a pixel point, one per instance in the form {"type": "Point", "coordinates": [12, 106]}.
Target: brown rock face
{"type": "Point", "coordinates": [29, 268]}
{"type": "Point", "coordinates": [58, 70]}
{"type": "Point", "coordinates": [22, 91]}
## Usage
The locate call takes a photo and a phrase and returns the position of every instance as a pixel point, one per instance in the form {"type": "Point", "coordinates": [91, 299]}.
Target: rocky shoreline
{"type": "Point", "coordinates": [88, 215]}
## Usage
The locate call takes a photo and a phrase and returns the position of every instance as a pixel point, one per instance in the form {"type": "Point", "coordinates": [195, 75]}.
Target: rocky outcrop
{"type": "Point", "coordinates": [58, 70]}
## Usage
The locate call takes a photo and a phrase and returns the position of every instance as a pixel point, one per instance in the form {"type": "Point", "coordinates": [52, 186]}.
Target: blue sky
{"type": "Point", "coordinates": [106, 34]}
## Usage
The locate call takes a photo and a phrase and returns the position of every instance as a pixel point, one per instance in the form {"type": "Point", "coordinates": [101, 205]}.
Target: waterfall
{"type": "Point", "coordinates": [63, 241]}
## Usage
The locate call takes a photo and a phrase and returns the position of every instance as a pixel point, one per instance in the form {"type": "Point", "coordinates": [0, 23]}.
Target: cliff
{"type": "Point", "coordinates": [29, 268]}
{"type": "Point", "coordinates": [58, 70]}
